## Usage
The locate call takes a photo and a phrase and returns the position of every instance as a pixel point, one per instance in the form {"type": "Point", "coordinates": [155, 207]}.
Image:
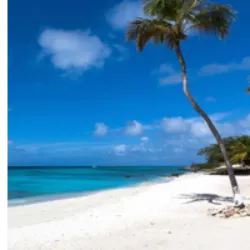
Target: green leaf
{"type": "Point", "coordinates": [170, 21]}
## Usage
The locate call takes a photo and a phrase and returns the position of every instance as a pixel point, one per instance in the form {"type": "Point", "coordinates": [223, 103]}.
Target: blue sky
{"type": "Point", "coordinates": [79, 94]}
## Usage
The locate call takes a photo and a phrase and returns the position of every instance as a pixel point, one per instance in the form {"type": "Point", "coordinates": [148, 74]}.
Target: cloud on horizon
{"type": "Point", "coordinates": [120, 149]}
{"type": "Point", "coordinates": [175, 139]}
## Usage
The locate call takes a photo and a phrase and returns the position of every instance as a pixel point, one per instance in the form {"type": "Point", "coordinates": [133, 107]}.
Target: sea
{"type": "Point", "coordinates": [37, 184]}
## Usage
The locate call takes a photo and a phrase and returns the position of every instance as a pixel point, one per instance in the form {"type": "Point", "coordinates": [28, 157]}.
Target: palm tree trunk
{"type": "Point", "coordinates": [236, 191]}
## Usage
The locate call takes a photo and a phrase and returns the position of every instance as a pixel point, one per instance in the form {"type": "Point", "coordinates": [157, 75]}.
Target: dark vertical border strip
{"type": "Point", "coordinates": [3, 103]}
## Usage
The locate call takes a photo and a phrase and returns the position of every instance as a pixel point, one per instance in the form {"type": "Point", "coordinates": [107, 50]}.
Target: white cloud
{"type": "Point", "coordinates": [216, 68]}
{"type": "Point", "coordinates": [228, 129]}
{"type": "Point", "coordinates": [199, 128]}
{"type": "Point", "coordinates": [219, 116]}
{"type": "Point", "coordinates": [213, 69]}
{"type": "Point", "coordinates": [168, 75]}
{"type": "Point", "coordinates": [120, 149]}
{"type": "Point", "coordinates": [194, 126]}
{"type": "Point", "coordinates": [174, 124]}
{"type": "Point", "coordinates": [73, 49]}
{"type": "Point", "coordinates": [180, 146]}
{"type": "Point", "coordinates": [171, 79]}
{"type": "Point", "coordinates": [144, 139]}
{"type": "Point", "coordinates": [100, 129]}
{"type": "Point", "coordinates": [143, 146]}
{"type": "Point", "coordinates": [134, 128]}
{"type": "Point", "coordinates": [245, 123]}
{"type": "Point", "coordinates": [123, 13]}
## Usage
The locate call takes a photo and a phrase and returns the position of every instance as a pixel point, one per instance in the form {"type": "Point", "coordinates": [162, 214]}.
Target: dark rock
{"type": "Point", "coordinates": [175, 175]}
{"type": "Point", "coordinates": [238, 171]}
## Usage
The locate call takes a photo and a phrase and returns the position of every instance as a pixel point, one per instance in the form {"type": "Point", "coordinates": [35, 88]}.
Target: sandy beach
{"type": "Point", "coordinates": [155, 216]}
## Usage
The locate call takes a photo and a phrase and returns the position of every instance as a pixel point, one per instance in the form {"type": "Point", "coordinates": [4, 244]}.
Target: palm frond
{"type": "Point", "coordinates": [214, 19]}
{"type": "Point", "coordinates": [170, 21]}
{"type": "Point", "coordinates": [162, 8]}
{"type": "Point", "coordinates": [239, 157]}
{"type": "Point", "coordinates": [144, 30]}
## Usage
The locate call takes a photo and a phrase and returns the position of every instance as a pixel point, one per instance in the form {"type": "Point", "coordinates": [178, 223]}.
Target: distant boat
{"type": "Point", "coordinates": [94, 166]}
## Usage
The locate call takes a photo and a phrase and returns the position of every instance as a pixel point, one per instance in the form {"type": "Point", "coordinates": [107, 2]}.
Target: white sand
{"type": "Point", "coordinates": [165, 216]}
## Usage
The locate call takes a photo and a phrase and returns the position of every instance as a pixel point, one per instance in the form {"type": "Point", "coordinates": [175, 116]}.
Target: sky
{"type": "Point", "coordinates": [79, 94]}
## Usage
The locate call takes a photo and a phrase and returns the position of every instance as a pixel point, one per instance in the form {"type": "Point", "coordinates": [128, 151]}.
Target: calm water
{"type": "Point", "coordinates": [28, 182]}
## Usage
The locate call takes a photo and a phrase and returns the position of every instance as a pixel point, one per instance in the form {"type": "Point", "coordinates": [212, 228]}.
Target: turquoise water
{"type": "Point", "coordinates": [28, 182]}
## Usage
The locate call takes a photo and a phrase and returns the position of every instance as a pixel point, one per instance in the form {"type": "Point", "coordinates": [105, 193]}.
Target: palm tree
{"type": "Point", "coordinates": [212, 153]}
{"type": "Point", "coordinates": [240, 149]}
{"type": "Point", "coordinates": [169, 23]}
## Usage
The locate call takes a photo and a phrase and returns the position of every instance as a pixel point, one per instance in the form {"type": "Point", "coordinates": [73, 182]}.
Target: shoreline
{"type": "Point", "coordinates": [170, 215]}
{"type": "Point", "coordinates": [62, 196]}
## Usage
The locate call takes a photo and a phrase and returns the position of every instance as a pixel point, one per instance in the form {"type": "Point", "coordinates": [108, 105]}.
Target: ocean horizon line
{"type": "Point", "coordinates": [91, 166]}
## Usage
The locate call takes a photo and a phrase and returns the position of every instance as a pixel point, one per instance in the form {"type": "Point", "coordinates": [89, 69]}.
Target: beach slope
{"type": "Point", "coordinates": [155, 216]}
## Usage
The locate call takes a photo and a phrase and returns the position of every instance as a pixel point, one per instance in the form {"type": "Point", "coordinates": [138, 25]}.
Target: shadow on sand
{"type": "Point", "coordinates": [211, 198]}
